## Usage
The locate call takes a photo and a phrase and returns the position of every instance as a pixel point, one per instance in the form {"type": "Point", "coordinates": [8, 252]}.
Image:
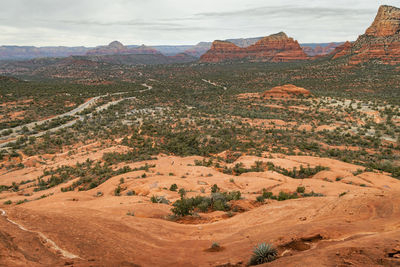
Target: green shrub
{"type": "Point", "coordinates": [173, 187]}
{"type": "Point", "coordinates": [130, 193]}
{"type": "Point", "coordinates": [22, 201]}
{"type": "Point", "coordinates": [263, 253]}
{"type": "Point", "coordinates": [300, 189]}
{"type": "Point", "coordinates": [159, 199]}
{"type": "Point", "coordinates": [117, 191]}
{"type": "Point", "coordinates": [182, 192]}
{"type": "Point", "coordinates": [260, 198]}
{"type": "Point", "coordinates": [215, 188]}
{"type": "Point", "coordinates": [8, 202]}
{"type": "Point", "coordinates": [183, 207]}
{"type": "Point", "coordinates": [215, 245]}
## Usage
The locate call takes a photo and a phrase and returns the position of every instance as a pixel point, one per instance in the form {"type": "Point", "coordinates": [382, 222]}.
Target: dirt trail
{"type": "Point", "coordinates": [53, 245]}
{"type": "Point", "coordinates": [212, 83]}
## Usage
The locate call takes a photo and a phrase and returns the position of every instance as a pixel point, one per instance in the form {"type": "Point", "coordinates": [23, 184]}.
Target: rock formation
{"type": "Point", "coordinates": [380, 43]}
{"type": "Point", "coordinates": [386, 23]}
{"type": "Point", "coordinates": [117, 48]}
{"type": "Point", "coordinates": [323, 49]}
{"type": "Point", "coordinates": [274, 48]}
{"type": "Point", "coordinates": [288, 90]}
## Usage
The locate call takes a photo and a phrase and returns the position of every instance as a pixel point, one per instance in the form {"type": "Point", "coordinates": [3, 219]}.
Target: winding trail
{"type": "Point", "coordinates": [73, 112]}
{"type": "Point", "coordinates": [149, 87]}
{"type": "Point", "coordinates": [212, 83]}
{"type": "Point", "coordinates": [51, 243]}
{"type": "Point", "coordinates": [15, 135]}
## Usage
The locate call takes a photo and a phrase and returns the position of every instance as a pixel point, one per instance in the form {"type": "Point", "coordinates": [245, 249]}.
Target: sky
{"type": "Point", "coordinates": [173, 22]}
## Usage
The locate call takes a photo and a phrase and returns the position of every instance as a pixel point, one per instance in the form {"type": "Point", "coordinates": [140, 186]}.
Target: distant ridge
{"type": "Point", "coordinates": [274, 48]}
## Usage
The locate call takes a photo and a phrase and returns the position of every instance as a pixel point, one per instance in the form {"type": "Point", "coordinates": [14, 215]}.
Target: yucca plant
{"type": "Point", "coordinates": [263, 253]}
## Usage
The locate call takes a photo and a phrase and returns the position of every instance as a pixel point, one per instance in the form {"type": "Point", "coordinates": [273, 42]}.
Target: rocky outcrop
{"type": "Point", "coordinates": [386, 23]}
{"type": "Point", "coordinates": [274, 48]}
{"type": "Point", "coordinates": [380, 43]}
{"type": "Point", "coordinates": [342, 50]}
{"type": "Point", "coordinates": [117, 48]}
{"type": "Point", "coordinates": [313, 50]}
{"type": "Point", "coordinates": [285, 91]}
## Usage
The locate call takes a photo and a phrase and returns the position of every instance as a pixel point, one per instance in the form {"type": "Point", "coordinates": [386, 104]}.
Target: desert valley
{"type": "Point", "coordinates": [260, 151]}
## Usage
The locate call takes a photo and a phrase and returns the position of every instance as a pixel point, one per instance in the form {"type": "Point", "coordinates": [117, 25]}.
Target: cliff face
{"type": "Point", "coordinates": [273, 48]}
{"type": "Point", "coordinates": [381, 41]}
{"type": "Point", "coordinates": [386, 23]}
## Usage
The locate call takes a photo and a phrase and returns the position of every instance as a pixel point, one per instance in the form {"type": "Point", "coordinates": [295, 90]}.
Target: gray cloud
{"type": "Point", "coordinates": [287, 10]}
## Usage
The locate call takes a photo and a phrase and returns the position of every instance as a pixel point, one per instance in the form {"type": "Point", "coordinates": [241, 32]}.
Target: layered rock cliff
{"type": "Point", "coordinates": [285, 91]}
{"type": "Point", "coordinates": [380, 43]}
{"type": "Point", "coordinates": [274, 48]}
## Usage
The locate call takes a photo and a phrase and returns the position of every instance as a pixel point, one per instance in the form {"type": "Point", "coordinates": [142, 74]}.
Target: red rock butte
{"type": "Point", "coordinates": [274, 48]}
{"type": "Point", "coordinates": [381, 41]}
{"type": "Point", "coordinates": [288, 90]}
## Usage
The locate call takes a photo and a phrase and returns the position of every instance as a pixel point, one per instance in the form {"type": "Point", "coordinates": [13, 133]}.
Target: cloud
{"type": "Point", "coordinates": [288, 10]}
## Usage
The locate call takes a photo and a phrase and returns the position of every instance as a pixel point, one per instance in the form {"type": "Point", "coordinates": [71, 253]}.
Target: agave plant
{"type": "Point", "coordinates": [263, 253]}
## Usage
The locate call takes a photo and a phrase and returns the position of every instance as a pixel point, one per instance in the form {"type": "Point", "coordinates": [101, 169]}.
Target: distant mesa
{"type": "Point", "coordinates": [117, 48]}
{"type": "Point", "coordinates": [316, 50]}
{"type": "Point", "coordinates": [285, 91]}
{"type": "Point", "coordinates": [380, 43]}
{"type": "Point", "coordinates": [274, 48]}
{"type": "Point", "coordinates": [116, 45]}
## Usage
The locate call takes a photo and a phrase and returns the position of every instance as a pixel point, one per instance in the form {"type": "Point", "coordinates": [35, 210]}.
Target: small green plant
{"type": "Point", "coordinates": [342, 194]}
{"type": "Point", "coordinates": [300, 189]}
{"type": "Point", "coordinates": [182, 192]}
{"type": "Point", "coordinates": [117, 191]}
{"type": "Point", "coordinates": [130, 213]}
{"type": "Point", "coordinates": [215, 188]}
{"type": "Point", "coordinates": [159, 199]}
{"type": "Point", "coordinates": [215, 245]}
{"type": "Point", "coordinates": [359, 171]}
{"type": "Point", "coordinates": [8, 202]}
{"type": "Point", "coordinates": [173, 187]}
{"type": "Point", "coordinates": [21, 201]}
{"type": "Point", "coordinates": [263, 253]}
{"type": "Point", "coordinates": [260, 198]}
{"type": "Point", "coordinates": [130, 193]}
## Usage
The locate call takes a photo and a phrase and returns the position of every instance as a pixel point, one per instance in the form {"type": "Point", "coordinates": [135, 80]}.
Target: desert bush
{"type": "Point", "coordinates": [131, 193]}
{"type": "Point", "coordinates": [173, 187]}
{"type": "Point", "coordinates": [263, 253]}
{"type": "Point", "coordinates": [159, 199]}
{"type": "Point", "coordinates": [301, 189]}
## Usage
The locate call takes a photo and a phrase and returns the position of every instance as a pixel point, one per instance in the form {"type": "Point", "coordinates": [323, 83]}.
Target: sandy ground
{"type": "Point", "coordinates": [356, 222]}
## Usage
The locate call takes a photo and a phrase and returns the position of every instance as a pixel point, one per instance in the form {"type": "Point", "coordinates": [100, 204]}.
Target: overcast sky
{"type": "Point", "coordinates": [152, 22]}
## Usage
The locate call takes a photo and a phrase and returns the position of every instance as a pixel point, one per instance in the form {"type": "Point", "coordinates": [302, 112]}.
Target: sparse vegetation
{"type": "Point", "coordinates": [263, 253]}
